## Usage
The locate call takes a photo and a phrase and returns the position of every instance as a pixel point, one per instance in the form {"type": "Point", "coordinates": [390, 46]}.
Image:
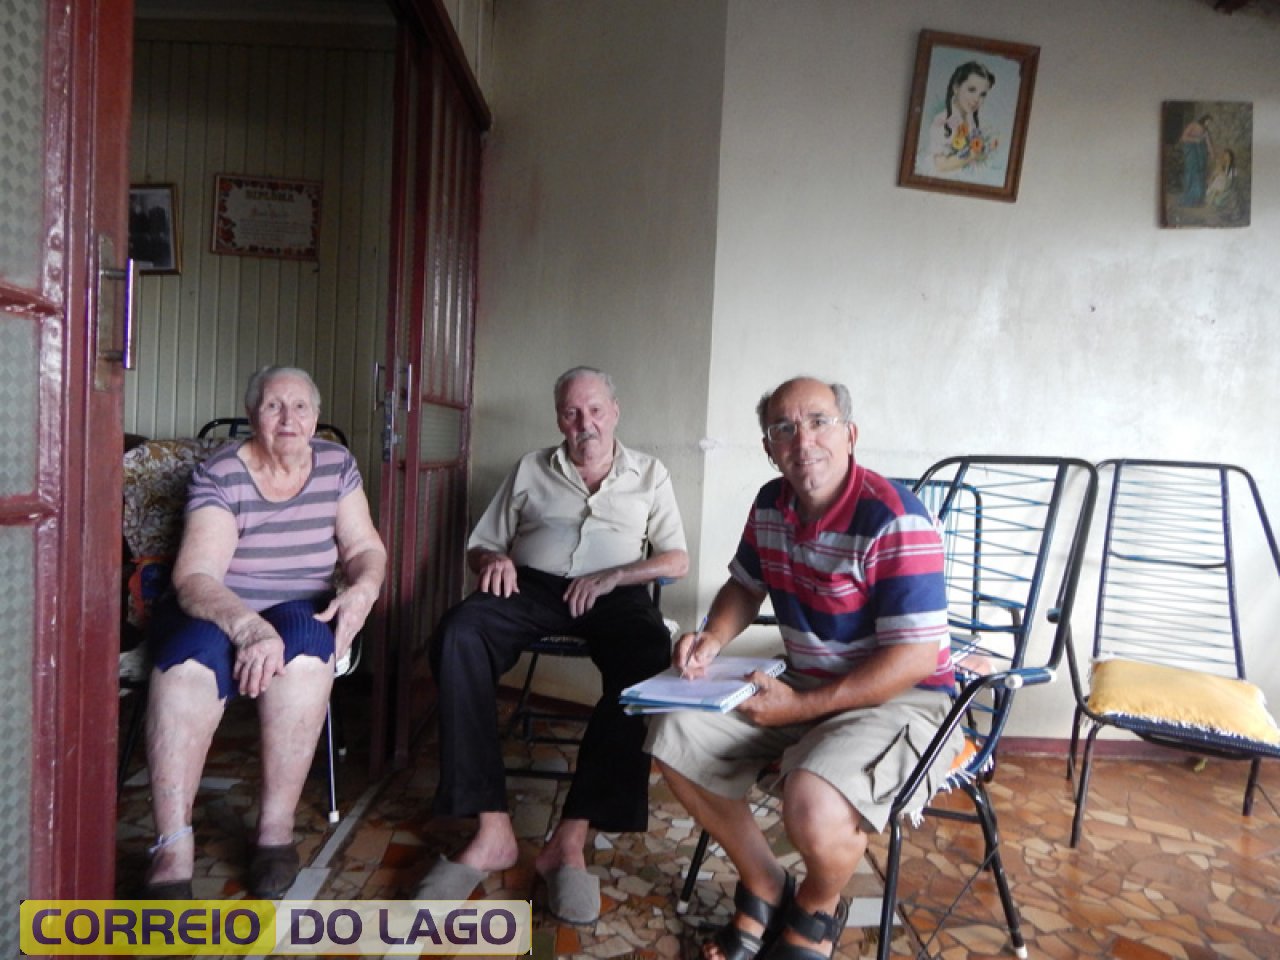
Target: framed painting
{"type": "Point", "coordinates": [1206, 163]}
{"type": "Point", "coordinates": [153, 227]}
{"type": "Point", "coordinates": [968, 114]}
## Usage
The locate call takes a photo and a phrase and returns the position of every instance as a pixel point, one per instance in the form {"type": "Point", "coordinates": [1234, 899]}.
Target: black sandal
{"type": "Point", "coordinates": [737, 944]}
{"type": "Point", "coordinates": [814, 927]}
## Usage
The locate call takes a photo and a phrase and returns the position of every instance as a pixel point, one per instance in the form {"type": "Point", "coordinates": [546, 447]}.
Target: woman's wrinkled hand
{"type": "Point", "coordinates": [259, 656]}
{"type": "Point", "coordinates": [350, 608]}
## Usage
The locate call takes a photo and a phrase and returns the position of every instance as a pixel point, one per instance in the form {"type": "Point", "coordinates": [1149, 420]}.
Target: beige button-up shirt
{"type": "Point", "coordinates": [543, 516]}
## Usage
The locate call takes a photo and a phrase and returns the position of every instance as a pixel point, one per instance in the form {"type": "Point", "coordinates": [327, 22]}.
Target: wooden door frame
{"type": "Point", "coordinates": [425, 34]}
{"type": "Point", "coordinates": [75, 673]}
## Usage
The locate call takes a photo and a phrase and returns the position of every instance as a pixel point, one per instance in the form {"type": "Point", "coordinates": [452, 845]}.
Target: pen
{"type": "Point", "coordinates": [693, 649]}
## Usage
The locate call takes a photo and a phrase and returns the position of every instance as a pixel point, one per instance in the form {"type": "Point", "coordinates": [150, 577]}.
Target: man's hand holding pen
{"type": "Point", "coordinates": [694, 651]}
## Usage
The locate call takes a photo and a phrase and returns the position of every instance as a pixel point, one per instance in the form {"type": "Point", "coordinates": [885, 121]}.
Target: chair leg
{"type": "Point", "coordinates": [889, 904]}
{"type": "Point", "coordinates": [1255, 768]}
{"type": "Point", "coordinates": [1075, 741]}
{"type": "Point", "coordinates": [990, 833]}
{"type": "Point", "coordinates": [132, 734]}
{"type": "Point", "coordinates": [334, 816]}
{"type": "Point", "coordinates": [520, 716]}
{"type": "Point", "coordinates": [1082, 791]}
{"type": "Point", "coordinates": [691, 878]}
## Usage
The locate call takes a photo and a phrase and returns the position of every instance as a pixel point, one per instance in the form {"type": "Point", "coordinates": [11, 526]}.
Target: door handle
{"type": "Point", "coordinates": [126, 355]}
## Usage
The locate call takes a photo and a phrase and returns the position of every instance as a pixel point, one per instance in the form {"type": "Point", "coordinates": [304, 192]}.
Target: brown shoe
{"type": "Point", "coordinates": [273, 870]}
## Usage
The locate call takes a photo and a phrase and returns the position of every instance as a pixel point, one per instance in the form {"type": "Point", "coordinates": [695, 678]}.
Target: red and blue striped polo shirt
{"type": "Point", "coordinates": [868, 574]}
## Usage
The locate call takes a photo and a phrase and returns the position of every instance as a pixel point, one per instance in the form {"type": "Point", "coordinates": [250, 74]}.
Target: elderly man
{"type": "Point", "coordinates": [853, 566]}
{"type": "Point", "coordinates": [568, 545]}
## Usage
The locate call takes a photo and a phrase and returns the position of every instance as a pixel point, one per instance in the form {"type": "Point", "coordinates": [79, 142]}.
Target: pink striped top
{"type": "Point", "coordinates": [286, 550]}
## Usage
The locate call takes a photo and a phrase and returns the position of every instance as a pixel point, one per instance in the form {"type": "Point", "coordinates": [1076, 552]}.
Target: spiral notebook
{"type": "Point", "coordinates": [720, 689]}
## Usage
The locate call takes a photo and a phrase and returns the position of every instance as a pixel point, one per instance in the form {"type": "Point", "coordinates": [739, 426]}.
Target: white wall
{"type": "Point", "coordinates": [598, 232]}
{"type": "Point", "coordinates": [1069, 322]}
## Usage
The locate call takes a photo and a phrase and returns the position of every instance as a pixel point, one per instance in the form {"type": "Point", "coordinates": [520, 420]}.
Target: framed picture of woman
{"type": "Point", "coordinates": [967, 119]}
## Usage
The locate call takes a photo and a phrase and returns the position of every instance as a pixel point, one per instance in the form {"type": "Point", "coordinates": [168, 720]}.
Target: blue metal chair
{"type": "Point", "coordinates": [1168, 613]}
{"type": "Point", "coordinates": [1004, 520]}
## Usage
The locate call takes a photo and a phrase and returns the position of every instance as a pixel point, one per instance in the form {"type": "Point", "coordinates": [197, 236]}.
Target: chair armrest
{"type": "Point", "coordinates": [1025, 677]}
{"type": "Point", "coordinates": [1006, 679]}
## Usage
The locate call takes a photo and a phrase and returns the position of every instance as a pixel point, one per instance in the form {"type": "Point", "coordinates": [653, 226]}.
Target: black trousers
{"type": "Point", "coordinates": [481, 638]}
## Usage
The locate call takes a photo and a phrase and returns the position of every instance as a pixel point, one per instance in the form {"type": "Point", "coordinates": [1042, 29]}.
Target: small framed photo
{"type": "Point", "coordinates": [153, 227]}
{"type": "Point", "coordinates": [967, 119]}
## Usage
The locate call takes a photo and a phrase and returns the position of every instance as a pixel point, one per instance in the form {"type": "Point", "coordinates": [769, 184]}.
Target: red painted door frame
{"type": "Point", "coordinates": [440, 119]}
{"type": "Point", "coordinates": [75, 508]}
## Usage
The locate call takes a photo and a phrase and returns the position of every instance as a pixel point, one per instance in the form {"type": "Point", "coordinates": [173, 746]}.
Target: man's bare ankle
{"type": "Point", "coordinates": [488, 853]}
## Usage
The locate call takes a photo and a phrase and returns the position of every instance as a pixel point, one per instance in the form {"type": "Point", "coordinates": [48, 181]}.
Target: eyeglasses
{"type": "Point", "coordinates": [784, 431]}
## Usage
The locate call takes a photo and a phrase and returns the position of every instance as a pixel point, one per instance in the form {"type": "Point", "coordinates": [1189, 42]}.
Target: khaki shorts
{"type": "Point", "coordinates": [866, 754]}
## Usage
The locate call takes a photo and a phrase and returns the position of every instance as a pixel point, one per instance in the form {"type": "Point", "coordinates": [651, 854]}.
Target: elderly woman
{"type": "Point", "coordinates": [268, 522]}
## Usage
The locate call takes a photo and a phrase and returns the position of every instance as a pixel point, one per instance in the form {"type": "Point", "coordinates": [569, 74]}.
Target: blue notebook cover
{"type": "Point", "coordinates": [720, 689]}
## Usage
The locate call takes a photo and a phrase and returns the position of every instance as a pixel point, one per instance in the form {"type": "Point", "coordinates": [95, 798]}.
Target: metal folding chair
{"type": "Point", "coordinates": [531, 724]}
{"type": "Point", "coordinates": [1168, 618]}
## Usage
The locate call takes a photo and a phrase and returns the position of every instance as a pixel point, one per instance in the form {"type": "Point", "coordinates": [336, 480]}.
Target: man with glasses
{"type": "Point", "coordinates": [853, 566]}
{"type": "Point", "coordinates": [568, 546]}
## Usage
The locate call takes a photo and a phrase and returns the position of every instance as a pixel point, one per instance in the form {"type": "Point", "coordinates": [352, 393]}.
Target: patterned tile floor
{"type": "Point", "coordinates": [1167, 867]}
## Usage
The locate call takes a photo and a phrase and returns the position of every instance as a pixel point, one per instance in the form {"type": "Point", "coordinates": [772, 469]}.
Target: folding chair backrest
{"type": "Point", "coordinates": [999, 518]}
{"type": "Point", "coordinates": [236, 427]}
{"type": "Point", "coordinates": [1012, 527]}
{"type": "Point", "coordinates": [961, 529]}
{"type": "Point", "coordinates": [1167, 591]}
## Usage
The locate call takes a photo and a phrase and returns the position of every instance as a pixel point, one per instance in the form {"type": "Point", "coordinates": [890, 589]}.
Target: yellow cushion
{"type": "Point", "coordinates": [1184, 697]}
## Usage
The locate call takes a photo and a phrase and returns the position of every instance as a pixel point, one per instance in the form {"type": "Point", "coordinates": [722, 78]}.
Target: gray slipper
{"type": "Point", "coordinates": [574, 895]}
{"type": "Point", "coordinates": [447, 880]}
